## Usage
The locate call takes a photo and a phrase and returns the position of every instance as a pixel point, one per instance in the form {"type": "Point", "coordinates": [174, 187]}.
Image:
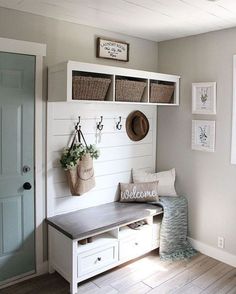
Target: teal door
{"type": "Point", "coordinates": [17, 253]}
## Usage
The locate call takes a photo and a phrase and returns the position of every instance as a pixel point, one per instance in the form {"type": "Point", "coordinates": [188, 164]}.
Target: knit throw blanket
{"type": "Point", "coordinates": [173, 235]}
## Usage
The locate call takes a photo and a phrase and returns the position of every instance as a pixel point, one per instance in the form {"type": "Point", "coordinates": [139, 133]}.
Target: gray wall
{"type": "Point", "coordinates": [68, 41]}
{"type": "Point", "coordinates": [207, 179]}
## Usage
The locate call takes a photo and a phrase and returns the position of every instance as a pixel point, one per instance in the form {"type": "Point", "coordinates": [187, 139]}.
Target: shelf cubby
{"type": "Point", "coordinates": [95, 76]}
{"type": "Point", "coordinates": [162, 92]}
{"type": "Point", "coordinates": [134, 89]}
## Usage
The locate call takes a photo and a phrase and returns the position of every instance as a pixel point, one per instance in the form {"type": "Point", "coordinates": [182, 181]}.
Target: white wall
{"type": "Point", "coordinates": [207, 179]}
{"type": "Point", "coordinates": [118, 153]}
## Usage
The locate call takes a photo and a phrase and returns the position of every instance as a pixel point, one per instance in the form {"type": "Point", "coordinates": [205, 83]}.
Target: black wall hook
{"type": "Point", "coordinates": [99, 124]}
{"type": "Point", "coordinates": [78, 126]}
{"type": "Point", "coordinates": [118, 124]}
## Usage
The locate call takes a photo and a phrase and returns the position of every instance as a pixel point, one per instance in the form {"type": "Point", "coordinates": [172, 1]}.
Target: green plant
{"type": "Point", "coordinates": [71, 156]}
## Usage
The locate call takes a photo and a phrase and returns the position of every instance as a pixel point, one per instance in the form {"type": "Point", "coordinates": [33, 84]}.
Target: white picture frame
{"type": "Point", "coordinates": [204, 98]}
{"type": "Point", "coordinates": [203, 135]}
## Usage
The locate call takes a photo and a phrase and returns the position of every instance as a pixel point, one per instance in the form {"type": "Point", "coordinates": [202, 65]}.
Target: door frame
{"type": "Point", "coordinates": [39, 51]}
{"type": "Point", "coordinates": [233, 136]}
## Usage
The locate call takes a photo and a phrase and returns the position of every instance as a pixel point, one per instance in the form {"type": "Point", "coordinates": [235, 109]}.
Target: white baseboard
{"type": "Point", "coordinates": [213, 252]}
{"type": "Point", "coordinates": [41, 269]}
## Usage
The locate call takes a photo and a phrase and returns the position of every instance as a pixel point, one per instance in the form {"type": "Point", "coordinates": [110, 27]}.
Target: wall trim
{"type": "Point", "coordinates": [43, 270]}
{"type": "Point", "coordinates": [22, 47]}
{"type": "Point", "coordinates": [38, 50]}
{"type": "Point", "coordinates": [214, 252]}
{"type": "Point", "coordinates": [233, 138]}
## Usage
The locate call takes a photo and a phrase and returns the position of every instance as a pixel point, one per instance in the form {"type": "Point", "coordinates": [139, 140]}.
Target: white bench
{"type": "Point", "coordinates": [113, 242]}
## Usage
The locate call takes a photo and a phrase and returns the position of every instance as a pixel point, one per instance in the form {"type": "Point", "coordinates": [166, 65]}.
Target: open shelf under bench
{"type": "Point", "coordinates": [112, 240]}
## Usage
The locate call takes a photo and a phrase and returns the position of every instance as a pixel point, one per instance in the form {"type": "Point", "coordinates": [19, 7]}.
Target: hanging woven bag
{"type": "Point", "coordinates": [85, 175]}
{"type": "Point", "coordinates": [81, 177]}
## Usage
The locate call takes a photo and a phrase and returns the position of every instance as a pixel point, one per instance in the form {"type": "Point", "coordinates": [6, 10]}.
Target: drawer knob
{"type": "Point", "coordinates": [99, 258]}
{"type": "Point", "coordinates": [136, 243]}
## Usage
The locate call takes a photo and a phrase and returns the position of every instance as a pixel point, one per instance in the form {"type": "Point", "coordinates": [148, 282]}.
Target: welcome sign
{"type": "Point", "coordinates": [111, 49]}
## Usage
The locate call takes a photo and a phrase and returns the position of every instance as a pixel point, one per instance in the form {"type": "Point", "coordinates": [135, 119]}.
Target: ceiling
{"type": "Point", "coordinates": [155, 20]}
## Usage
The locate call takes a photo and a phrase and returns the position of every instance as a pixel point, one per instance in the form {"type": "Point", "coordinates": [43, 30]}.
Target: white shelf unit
{"type": "Point", "coordinates": [60, 81]}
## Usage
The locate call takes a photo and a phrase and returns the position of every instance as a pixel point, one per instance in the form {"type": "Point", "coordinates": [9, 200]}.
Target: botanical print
{"type": "Point", "coordinates": [204, 95]}
{"type": "Point", "coordinates": [203, 135]}
{"type": "Point", "coordinates": [204, 98]}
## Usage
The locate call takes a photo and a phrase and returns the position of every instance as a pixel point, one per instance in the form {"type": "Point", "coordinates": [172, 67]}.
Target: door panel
{"type": "Point", "coordinates": [11, 139]}
{"type": "Point", "coordinates": [11, 224]}
{"type": "Point", "coordinates": [11, 78]}
{"type": "Point", "coordinates": [17, 252]}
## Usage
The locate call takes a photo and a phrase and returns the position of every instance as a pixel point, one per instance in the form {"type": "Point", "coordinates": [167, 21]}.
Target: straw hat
{"type": "Point", "coordinates": [137, 125]}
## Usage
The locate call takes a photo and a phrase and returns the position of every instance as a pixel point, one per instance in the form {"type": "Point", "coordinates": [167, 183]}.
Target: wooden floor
{"type": "Point", "coordinates": [148, 274]}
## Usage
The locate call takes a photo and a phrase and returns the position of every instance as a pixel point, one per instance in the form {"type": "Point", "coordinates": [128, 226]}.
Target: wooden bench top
{"type": "Point", "coordinates": [90, 221]}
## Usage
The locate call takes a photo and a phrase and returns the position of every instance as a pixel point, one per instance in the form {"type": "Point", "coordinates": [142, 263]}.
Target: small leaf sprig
{"type": "Point", "coordinates": [71, 156]}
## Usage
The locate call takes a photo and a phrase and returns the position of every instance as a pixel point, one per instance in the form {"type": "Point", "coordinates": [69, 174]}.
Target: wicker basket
{"type": "Point", "coordinates": [130, 91]}
{"type": "Point", "coordinates": [161, 93]}
{"type": "Point", "coordinates": [90, 88]}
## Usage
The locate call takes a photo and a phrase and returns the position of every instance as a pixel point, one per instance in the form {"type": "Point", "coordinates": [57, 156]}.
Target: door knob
{"type": "Point", "coordinates": [27, 186]}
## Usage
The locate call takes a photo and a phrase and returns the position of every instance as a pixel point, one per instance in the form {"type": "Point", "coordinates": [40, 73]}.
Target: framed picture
{"type": "Point", "coordinates": [203, 135]}
{"type": "Point", "coordinates": [111, 49]}
{"type": "Point", "coordinates": [204, 98]}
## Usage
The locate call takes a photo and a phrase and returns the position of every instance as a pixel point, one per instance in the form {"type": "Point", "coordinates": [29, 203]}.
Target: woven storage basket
{"type": "Point", "coordinates": [161, 93]}
{"type": "Point", "coordinates": [130, 91]}
{"type": "Point", "coordinates": [90, 88]}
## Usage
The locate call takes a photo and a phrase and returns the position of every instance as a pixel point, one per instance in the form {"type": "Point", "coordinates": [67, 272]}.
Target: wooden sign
{"type": "Point", "coordinates": [111, 49]}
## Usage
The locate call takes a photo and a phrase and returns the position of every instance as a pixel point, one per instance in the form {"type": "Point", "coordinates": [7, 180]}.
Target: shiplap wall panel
{"type": "Point", "coordinates": [105, 168]}
{"type": "Point", "coordinates": [118, 153]}
{"type": "Point", "coordinates": [113, 153]}
{"type": "Point", "coordinates": [90, 199]}
{"type": "Point", "coordinates": [103, 140]}
{"type": "Point", "coordinates": [61, 189]}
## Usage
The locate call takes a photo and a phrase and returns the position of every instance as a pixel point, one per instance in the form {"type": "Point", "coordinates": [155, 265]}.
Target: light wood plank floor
{"type": "Point", "coordinates": [148, 274]}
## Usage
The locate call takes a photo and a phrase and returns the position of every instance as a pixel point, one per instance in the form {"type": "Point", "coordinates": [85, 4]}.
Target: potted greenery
{"type": "Point", "coordinates": [77, 161]}
{"type": "Point", "coordinates": [72, 155]}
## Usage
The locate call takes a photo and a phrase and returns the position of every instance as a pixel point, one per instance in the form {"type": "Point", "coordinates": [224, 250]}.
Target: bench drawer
{"type": "Point", "coordinates": [131, 247]}
{"type": "Point", "coordinates": [96, 259]}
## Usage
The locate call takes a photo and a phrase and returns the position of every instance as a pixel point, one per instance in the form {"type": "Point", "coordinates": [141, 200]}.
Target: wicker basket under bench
{"type": "Point", "coordinates": [90, 88]}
